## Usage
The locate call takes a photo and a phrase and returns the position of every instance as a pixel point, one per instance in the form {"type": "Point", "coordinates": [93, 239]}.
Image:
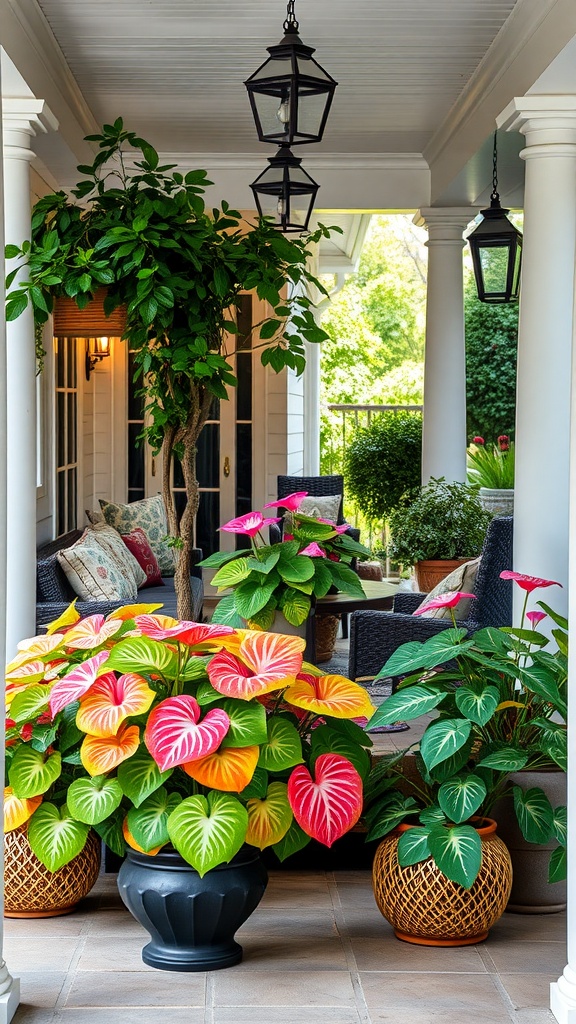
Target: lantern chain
{"type": "Point", "coordinates": [291, 25]}
{"type": "Point", "coordinates": [495, 194]}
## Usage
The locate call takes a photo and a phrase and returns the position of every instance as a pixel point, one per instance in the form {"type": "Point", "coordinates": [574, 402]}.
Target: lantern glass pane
{"type": "Point", "coordinates": [516, 274]}
{"type": "Point", "coordinates": [311, 109]}
{"type": "Point", "coordinates": [494, 263]}
{"type": "Point", "coordinates": [307, 66]}
{"type": "Point", "coordinates": [274, 67]}
{"type": "Point", "coordinates": [274, 113]}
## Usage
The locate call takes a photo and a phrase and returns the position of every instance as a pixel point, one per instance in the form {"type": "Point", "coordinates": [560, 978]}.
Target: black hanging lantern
{"type": "Point", "coordinates": [496, 247]}
{"type": "Point", "coordinates": [290, 93]}
{"type": "Point", "coordinates": [285, 192]}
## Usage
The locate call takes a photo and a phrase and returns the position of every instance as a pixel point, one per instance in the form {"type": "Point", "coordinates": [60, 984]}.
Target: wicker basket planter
{"type": "Point", "coordinates": [31, 890]}
{"type": "Point", "coordinates": [426, 908]}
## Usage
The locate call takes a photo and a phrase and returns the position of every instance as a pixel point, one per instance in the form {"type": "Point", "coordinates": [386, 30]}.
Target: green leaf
{"type": "Point", "coordinates": [55, 837]}
{"type": "Point", "coordinates": [294, 840]}
{"type": "Point", "coordinates": [284, 747]}
{"type": "Point", "coordinates": [139, 776]}
{"type": "Point", "coordinates": [442, 739]}
{"type": "Point", "coordinates": [16, 304]}
{"type": "Point", "coordinates": [534, 813]}
{"type": "Point", "coordinates": [225, 613]}
{"type": "Point", "coordinates": [31, 774]}
{"type": "Point", "coordinates": [413, 846]}
{"type": "Point", "coordinates": [110, 831]}
{"type": "Point", "coordinates": [461, 796]}
{"type": "Point", "coordinates": [142, 655]}
{"type": "Point", "coordinates": [92, 800]}
{"type": "Point", "coordinates": [457, 851]}
{"type": "Point", "coordinates": [148, 823]}
{"type": "Point", "coordinates": [477, 704]}
{"type": "Point", "coordinates": [387, 813]}
{"type": "Point", "coordinates": [298, 570]}
{"type": "Point", "coordinates": [345, 579]}
{"type": "Point", "coordinates": [266, 564]}
{"type": "Point", "coordinates": [296, 607]}
{"type": "Point", "coordinates": [409, 703]}
{"type": "Point", "coordinates": [219, 558]}
{"type": "Point", "coordinates": [257, 788]}
{"type": "Point", "coordinates": [505, 759]}
{"type": "Point", "coordinates": [415, 655]}
{"type": "Point", "coordinates": [29, 703]}
{"type": "Point", "coordinates": [251, 596]}
{"type": "Point", "coordinates": [247, 723]}
{"type": "Point", "coordinates": [231, 574]}
{"type": "Point", "coordinates": [558, 866]}
{"type": "Point", "coordinates": [208, 831]}
{"type": "Point", "coordinates": [560, 825]}
{"type": "Point", "coordinates": [326, 740]}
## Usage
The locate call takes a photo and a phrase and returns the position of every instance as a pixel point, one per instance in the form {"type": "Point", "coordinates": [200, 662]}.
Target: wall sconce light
{"type": "Point", "coordinates": [496, 247]}
{"type": "Point", "coordinates": [96, 349]}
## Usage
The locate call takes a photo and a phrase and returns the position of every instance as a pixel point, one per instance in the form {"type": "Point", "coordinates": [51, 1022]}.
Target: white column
{"type": "Point", "coordinates": [21, 120]}
{"type": "Point", "coordinates": [444, 425]}
{"type": "Point", "coordinates": [545, 332]}
{"type": "Point", "coordinates": [9, 987]}
{"type": "Point", "coordinates": [312, 411]}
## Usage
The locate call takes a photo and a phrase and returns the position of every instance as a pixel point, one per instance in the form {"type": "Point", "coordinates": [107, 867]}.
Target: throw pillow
{"type": "Point", "coordinates": [93, 516]}
{"type": "Point", "coordinates": [137, 544]}
{"type": "Point", "coordinates": [462, 578]}
{"type": "Point", "coordinates": [149, 514]}
{"type": "Point", "coordinates": [129, 566]}
{"type": "Point", "coordinates": [325, 507]}
{"type": "Point", "coordinates": [93, 573]}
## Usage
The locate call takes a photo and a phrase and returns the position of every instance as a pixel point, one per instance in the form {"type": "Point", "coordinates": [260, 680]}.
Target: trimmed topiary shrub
{"type": "Point", "coordinates": [382, 463]}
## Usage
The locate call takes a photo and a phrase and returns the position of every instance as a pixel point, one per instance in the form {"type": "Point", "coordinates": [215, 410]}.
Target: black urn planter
{"type": "Point", "coordinates": [192, 921]}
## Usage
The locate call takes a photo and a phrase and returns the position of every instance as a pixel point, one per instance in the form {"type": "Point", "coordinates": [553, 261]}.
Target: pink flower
{"type": "Point", "coordinates": [291, 501]}
{"type": "Point", "coordinates": [448, 600]}
{"type": "Point", "coordinates": [535, 618]}
{"type": "Point", "coordinates": [288, 536]}
{"type": "Point", "coordinates": [504, 442]}
{"type": "Point", "coordinates": [478, 440]}
{"type": "Point", "coordinates": [251, 524]}
{"type": "Point", "coordinates": [337, 529]}
{"type": "Point", "coordinates": [528, 583]}
{"type": "Point", "coordinates": [314, 550]}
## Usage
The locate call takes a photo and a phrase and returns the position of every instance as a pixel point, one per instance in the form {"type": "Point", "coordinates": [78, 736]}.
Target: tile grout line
{"type": "Point", "coordinates": [339, 919]}
{"type": "Point", "coordinates": [210, 998]}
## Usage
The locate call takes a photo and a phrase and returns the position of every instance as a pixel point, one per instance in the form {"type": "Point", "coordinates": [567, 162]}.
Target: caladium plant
{"type": "Point", "coordinates": [154, 731]}
{"type": "Point", "coordinates": [313, 557]}
{"type": "Point", "coordinates": [500, 705]}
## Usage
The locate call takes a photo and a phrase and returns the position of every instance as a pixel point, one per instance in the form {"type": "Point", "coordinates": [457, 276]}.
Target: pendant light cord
{"type": "Point", "coordinates": [495, 194]}
{"type": "Point", "coordinates": [291, 25]}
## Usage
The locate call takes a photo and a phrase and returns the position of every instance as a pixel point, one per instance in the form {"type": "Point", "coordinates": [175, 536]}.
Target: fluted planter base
{"type": "Point", "coordinates": [191, 920]}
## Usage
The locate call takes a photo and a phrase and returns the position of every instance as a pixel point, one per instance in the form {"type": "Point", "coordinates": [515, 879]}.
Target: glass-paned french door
{"type": "Point", "coordinates": [66, 361]}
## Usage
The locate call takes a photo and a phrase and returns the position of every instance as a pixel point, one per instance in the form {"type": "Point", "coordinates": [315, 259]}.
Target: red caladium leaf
{"type": "Point", "coordinates": [92, 632]}
{"type": "Point", "coordinates": [77, 682]}
{"type": "Point", "coordinates": [263, 662]}
{"type": "Point", "coordinates": [161, 627]}
{"type": "Point", "coordinates": [327, 807]}
{"type": "Point", "coordinates": [175, 735]}
{"type": "Point", "coordinates": [100, 754]}
{"type": "Point", "coordinates": [111, 700]}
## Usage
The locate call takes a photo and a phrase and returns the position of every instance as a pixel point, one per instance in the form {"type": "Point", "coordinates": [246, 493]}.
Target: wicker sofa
{"type": "Point", "coordinates": [54, 593]}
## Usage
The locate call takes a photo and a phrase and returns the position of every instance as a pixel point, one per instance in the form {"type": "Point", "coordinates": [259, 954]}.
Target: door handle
{"type": "Point", "coordinates": [226, 468]}
{"type": "Point", "coordinates": [153, 466]}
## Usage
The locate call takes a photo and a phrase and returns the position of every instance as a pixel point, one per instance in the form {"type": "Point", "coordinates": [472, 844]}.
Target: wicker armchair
{"type": "Point", "coordinates": [374, 636]}
{"type": "Point", "coordinates": [318, 486]}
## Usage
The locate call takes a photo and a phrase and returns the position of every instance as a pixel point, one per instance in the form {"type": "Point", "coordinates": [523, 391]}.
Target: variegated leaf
{"type": "Point", "coordinates": [148, 824]}
{"type": "Point", "coordinates": [140, 776]}
{"type": "Point", "coordinates": [112, 700]}
{"type": "Point", "coordinates": [270, 818]}
{"type": "Point", "coordinates": [77, 682]}
{"type": "Point", "coordinates": [17, 811]}
{"type": "Point", "coordinates": [200, 635]}
{"type": "Point", "coordinates": [457, 851]}
{"type": "Point", "coordinates": [55, 837]}
{"type": "Point", "coordinates": [208, 831]}
{"type": "Point", "coordinates": [175, 735]}
{"type": "Point", "coordinates": [30, 703]}
{"type": "Point", "coordinates": [92, 800]}
{"type": "Point", "coordinates": [31, 772]}
{"type": "Point", "coordinates": [91, 632]}
{"type": "Point", "coordinates": [264, 662]}
{"type": "Point", "coordinates": [442, 739]}
{"type": "Point", "coordinates": [140, 654]}
{"type": "Point", "coordinates": [229, 768]}
{"type": "Point", "coordinates": [330, 695]}
{"type": "Point", "coordinates": [101, 754]}
{"type": "Point", "coordinates": [284, 747]}
{"type": "Point", "coordinates": [130, 840]}
{"type": "Point", "coordinates": [329, 805]}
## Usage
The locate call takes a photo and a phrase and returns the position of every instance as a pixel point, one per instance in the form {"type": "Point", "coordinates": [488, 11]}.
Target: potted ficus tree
{"type": "Point", "coordinates": [193, 747]}
{"type": "Point", "coordinates": [145, 235]}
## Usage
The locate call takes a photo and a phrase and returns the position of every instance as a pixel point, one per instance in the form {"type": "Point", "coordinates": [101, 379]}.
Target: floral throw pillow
{"type": "Point", "coordinates": [129, 566]}
{"type": "Point", "coordinates": [137, 543]}
{"type": "Point", "coordinates": [148, 514]}
{"type": "Point", "coordinates": [93, 573]}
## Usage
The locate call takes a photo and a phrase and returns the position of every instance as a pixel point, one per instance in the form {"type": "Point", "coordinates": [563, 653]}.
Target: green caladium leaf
{"type": "Point", "coordinates": [247, 723]}
{"type": "Point", "coordinates": [92, 800]}
{"type": "Point", "coordinates": [432, 816]}
{"type": "Point", "coordinates": [111, 832]}
{"type": "Point", "coordinates": [54, 835]}
{"type": "Point", "coordinates": [452, 765]}
{"type": "Point", "coordinates": [231, 574]}
{"type": "Point", "coordinates": [461, 796]}
{"type": "Point", "coordinates": [543, 683]}
{"type": "Point", "coordinates": [295, 607]}
{"type": "Point", "coordinates": [43, 736]}
{"type": "Point", "coordinates": [477, 704]}
{"type": "Point", "coordinates": [298, 570]}
{"type": "Point", "coordinates": [284, 747]}
{"type": "Point", "coordinates": [560, 825]}
{"type": "Point", "coordinates": [267, 560]}
{"type": "Point", "coordinates": [415, 655]}
{"type": "Point", "coordinates": [139, 776]}
{"type": "Point", "coordinates": [326, 740]}
{"type": "Point", "coordinates": [194, 668]}
{"type": "Point", "coordinates": [442, 739]}
{"type": "Point", "coordinates": [556, 617]}
{"type": "Point", "coordinates": [349, 728]}
{"type": "Point", "coordinates": [148, 823]}
{"type": "Point", "coordinates": [406, 704]}
{"type": "Point", "coordinates": [208, 830]}
{"type": "Point", "coordinates": [252, 595]}
{"type": "Point", "coordinates": [528, 636]}
{"type": "Point", "coordinates": [555, 744]}
{"type": "Point", "coordinates": [225, 613]}
{"type": "Point", "coordinates": [558, 866]}
{"type": "Point", "coordinates": [31, 773]}
{"type": "Point", "coordinates": [413, 846]}
{"type": "Point", "coordinates": [142, 655]}
{"type": "Point", "coordinates": [534, 813]}
{"type": "Point", "coordinates": [206, 694]}
{"type": "Point", "coordinates": [31, 702]}
{"type": "Point", "coordinates": [457, 851]}
{"type": "Point", "coordinates": [294, 840]}
{"type": "Point", "coordinates": [387, 813]}
{"type": "Point", "coordinates": [257, 787]}
{"type": "Point", "coordinates": [504, 759]}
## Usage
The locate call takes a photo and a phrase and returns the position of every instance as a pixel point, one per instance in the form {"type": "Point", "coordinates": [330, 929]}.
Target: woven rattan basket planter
{"type": "Point", "coordinates": [326, 633]}
{"type": "Point", "coordinates": [425, 907]}
{"type": "Point", "coordinates": [31, 890]}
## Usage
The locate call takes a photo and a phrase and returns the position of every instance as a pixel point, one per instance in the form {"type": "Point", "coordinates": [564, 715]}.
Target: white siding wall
{"type": "Point", "coordinates": [276, 384]}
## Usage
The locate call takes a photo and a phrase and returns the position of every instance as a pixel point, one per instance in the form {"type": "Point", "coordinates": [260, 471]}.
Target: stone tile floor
{"type": "Point", "coordinates": [316, 951]}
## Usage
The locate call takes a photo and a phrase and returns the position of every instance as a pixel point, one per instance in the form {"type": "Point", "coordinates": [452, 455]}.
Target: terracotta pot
{"type": "Point", "coordinates": [432, 571]}
{"type": "Point", "coordinates": [497, 500]}
{"type": "Point", "coordinates": [426, 908]}
{"type": "Point", "coordinates": [532, 893]}
{"type": "Point", "coordinates": [31, 890]}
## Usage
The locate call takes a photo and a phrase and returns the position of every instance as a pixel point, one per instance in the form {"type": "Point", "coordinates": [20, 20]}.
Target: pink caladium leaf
{"type": "Point", "coordinates": [261, 663]}
{"type": "Point", "coordinates": [174, 734]}
{"type": "Point", "coordinates": [77, 682]}
{"type": "Point", "coordinates": [92, 632]}
{"type": "Point", "coordinates": [192, 633]}
{"type": "Point", "coordinates": [327, 807]}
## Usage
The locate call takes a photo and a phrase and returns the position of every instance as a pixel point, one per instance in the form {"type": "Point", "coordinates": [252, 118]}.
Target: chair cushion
{"type": "Point", "coordinates": [93, 572]}
{"type": "Point", "coordinates": [323, 507]}
{"type": "Point", "coordinates": [148, 514]}
{"type": "Point", "coordinates": [111, 540]}
{"type": "Point", "coordinates": [463, 578]}
{"type": "Point", "coordinates": [137, 543]}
